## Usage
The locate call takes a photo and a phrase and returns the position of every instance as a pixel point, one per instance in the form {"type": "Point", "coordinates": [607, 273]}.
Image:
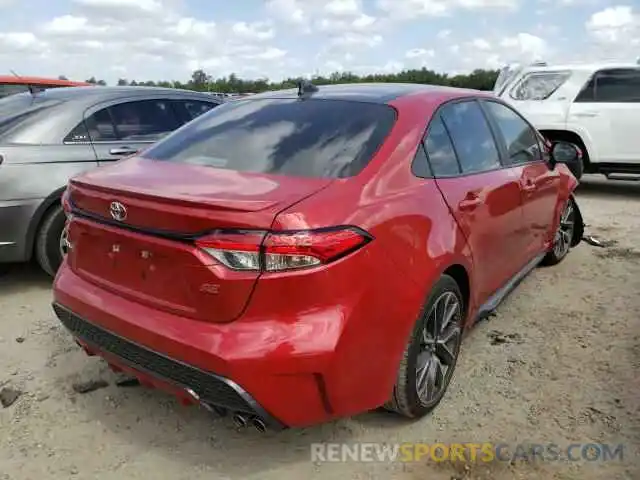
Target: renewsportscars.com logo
{"type": "Point", "coordinates": [465, 452]}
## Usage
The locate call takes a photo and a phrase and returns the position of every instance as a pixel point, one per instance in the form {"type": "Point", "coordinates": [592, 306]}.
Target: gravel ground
{"type": "Point", "coordinates": [558, 364]}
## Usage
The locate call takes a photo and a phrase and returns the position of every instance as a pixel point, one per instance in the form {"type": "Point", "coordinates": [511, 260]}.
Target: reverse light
{"type": "Point", "coordinates": [281, 251]}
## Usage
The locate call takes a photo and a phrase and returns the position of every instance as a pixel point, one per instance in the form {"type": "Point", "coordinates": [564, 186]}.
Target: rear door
{"type": "Point", "coordinates": [484, 197]}
{"type": "Point", "coordinates": [124, 128]}
{"type": "Point", "coordinates": [608, 107]}
{"type": "Point", "coordinates": [121, 128]}
{"type": "Point", "coordinates": [523, 155]}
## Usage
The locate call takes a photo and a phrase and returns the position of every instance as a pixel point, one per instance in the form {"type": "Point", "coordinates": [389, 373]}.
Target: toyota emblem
{"type": "Point", "coordinates": [118, 211]}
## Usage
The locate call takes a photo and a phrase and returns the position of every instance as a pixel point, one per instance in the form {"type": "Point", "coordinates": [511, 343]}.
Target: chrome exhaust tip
{"type": "Point", "coordinates": [240, 420]}
{"type": "Point", "coordinates": [259, 425]}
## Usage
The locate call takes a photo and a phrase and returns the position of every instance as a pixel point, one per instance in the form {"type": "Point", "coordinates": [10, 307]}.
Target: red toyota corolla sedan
{"type": "Point", "coordinates": [307, 254]}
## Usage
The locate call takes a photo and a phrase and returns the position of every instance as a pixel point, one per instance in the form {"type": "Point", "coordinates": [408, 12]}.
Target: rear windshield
{"type": "Point", "coordinates": [17, 111]}
{"type": "Point", "coordinates": [312, 138]}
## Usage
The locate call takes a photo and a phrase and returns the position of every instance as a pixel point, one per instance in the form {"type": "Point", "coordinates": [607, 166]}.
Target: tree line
{"type": "Point", "coordinates": [479, 79]}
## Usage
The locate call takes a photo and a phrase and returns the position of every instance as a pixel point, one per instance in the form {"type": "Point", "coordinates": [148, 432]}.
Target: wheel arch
{"type": "Point", "coordinates": [578, 232]}
{"type": "Point", "coordinates": [459, 273]}
{"type": "Point", "coordinates": [36, 220]}
{"type": "Point", "coordinates": [570, 135]}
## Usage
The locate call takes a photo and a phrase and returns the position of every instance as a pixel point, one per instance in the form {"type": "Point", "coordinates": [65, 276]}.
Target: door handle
{"type": "Point", "coordinates": [123, 151]}
{"type": "Point", "coordinates": [586, 114]}
{"type": "Point", "coordinates": [470, 202]}
{"type": "Point", "coordinates": [529, 186]}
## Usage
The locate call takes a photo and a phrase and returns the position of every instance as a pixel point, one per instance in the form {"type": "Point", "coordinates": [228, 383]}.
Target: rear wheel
{"type": "Point", "coordinates": [564, 235]}
{"type": "Point", "coordinates": [50, 247]}
{"type": "Point", "coordinates": [431, 353]}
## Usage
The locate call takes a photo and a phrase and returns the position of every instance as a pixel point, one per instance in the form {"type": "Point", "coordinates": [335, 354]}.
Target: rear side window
{"type": "Point", "coordinates": [520, 139]}
{"type": "Point", "coordinates": [312, 138]}
{"type": "Point", "coordinates": [99, 126]}
{"type": "Point", "coordinates": [11, 89]}
{"type": "Point", "coordinates": [471, 136]}
{"type": "Point", "coordinates": [539, 86]}
{"type": "Point", "coordinates": [612, 86]}
{"type": "Point", "coordinates": [440, 151]}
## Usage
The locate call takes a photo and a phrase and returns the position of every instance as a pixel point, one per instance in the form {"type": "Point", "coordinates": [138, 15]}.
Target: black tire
{"type": "Point", "coordinates": [405, 399]}
{"type": "Point", "coordinates": [47, 247]}
{"type": "Point", "coordinates": [577, 168]}
{"type": "Point", "coordinates": [562, 247]}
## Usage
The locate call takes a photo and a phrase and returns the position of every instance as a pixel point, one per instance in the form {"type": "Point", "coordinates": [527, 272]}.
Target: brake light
{"type": "Point", "coordinates": [280, 251]}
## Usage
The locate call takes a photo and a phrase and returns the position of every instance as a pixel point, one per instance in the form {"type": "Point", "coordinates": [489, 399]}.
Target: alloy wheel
{"type": "Point", "coordinates": [439, 348]}
{"type": "Point", "coordinates": [564, 234]}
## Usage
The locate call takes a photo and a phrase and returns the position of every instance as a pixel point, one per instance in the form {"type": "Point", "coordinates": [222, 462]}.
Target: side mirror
{"type": "Point", "coordinates": [569, 154]}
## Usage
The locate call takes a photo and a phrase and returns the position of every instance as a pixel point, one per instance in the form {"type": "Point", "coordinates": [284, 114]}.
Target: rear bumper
{"type": "Point", "coordinates": [293, 359]}
{"type": "Point", "coordinates": [15, 218]}
{"type": "Point", "coordinates": [209, 388]}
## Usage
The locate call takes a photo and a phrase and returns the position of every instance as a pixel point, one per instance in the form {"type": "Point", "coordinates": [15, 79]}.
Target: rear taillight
{"type": "Point", "coordinates": [280, 251]}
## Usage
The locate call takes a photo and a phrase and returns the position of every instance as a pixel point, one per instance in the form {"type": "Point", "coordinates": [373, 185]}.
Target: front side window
{"type": "Point", "coordinates": [312, 138]}
{"type": "Point", "coordinates": [621, 85]}
{"type": "Point", "coordinates": [196, 108]}
{"type": "Point", "coordinates": [520, 139]}
{"type": "Point", "coordinates": [539, 85]}
{"type": "Point", "coordinates": [143, 120]}
{"type": "Point", "coordinates": [471, 136]}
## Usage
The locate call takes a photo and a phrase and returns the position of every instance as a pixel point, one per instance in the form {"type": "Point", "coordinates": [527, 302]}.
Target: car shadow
{"type": "Point", "coordinates": [596, 186]}
{"type": "Point", "coordinates": [20, 277]}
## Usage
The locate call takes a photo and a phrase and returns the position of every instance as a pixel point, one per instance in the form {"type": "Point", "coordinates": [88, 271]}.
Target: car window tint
{"type": "Point", "coordinates": [11, 89]}
{"type": "Point", "coordinates": [471, 136]}
{"type": "Point", "coordinates": [143, 120]}
{"type": "Point", "coordinates": [100, 127]}
{"type": "Point", "coordinates": [622, 85]}
{"type": "Point", "coordinates": [313, 138]}
{"type": "Point", "coordinates": [195, 108]}
{"type": "Point", "coordinates": [79, 134]}
{"type": "Point", "coordinates": [440, 152]}
{"type": "Point", "coordinates": [520, 139]}
{"type": "Point", "coordinates": [612, 86]}
{"type": "Point", "coordinates": [420, 166]}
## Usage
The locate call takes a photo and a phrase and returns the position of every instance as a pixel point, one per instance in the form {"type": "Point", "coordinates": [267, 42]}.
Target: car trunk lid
{"type": "Point", "coordinates": [148, 253]}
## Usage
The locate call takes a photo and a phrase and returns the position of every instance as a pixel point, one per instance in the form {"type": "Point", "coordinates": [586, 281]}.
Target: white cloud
{"type": "Point", "coordinates": [420, 53]}
{"type": "Point", "coordinates": [614, 24]}
{"type": "Point", "coordinates": [255, 31]}
{"type": "Point", "coordinates": [349, 40]}
{"type": "Point", "coordinates": [410, 9]}
{"type": "Point", "coordinates": [343, 7]}
{"type": "Point", "coordinates": [480, 44]}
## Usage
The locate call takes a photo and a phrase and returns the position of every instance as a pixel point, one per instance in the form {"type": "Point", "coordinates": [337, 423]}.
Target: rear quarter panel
{"type": "Point", "coordinates": [40, 173]}
{"type": "Point", "coordinates": [415, 240]}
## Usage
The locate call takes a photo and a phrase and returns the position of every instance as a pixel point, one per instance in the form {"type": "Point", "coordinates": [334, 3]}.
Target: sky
{"type": "Point", "coordinates": [275, 39]}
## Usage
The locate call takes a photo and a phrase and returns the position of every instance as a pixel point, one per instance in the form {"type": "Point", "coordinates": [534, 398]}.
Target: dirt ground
{"type": "Point", "coordinates": [557, 364]}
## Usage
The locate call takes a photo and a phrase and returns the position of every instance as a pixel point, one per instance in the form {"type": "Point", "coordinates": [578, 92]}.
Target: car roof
{"type": "Point", "coordinates": [100, 93]}
{"type": "Point", "coordinates": [370, 92]}
{"type": "Point", "coordinates": [589, 67]}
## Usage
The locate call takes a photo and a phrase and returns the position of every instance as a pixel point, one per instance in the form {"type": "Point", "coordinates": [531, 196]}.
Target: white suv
{"type": "Point", "coordinates": [595, 106]}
